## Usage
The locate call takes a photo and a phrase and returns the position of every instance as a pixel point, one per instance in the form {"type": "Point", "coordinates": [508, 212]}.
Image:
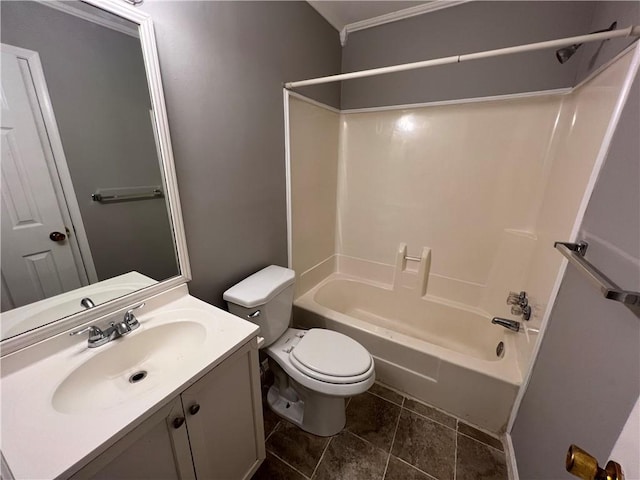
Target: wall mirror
{"type": "Point", "coordinates": [90, 213]}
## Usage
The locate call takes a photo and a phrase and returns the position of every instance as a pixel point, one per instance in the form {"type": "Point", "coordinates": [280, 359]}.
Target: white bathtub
{"type": "Point", "coordinates": [437, 351]}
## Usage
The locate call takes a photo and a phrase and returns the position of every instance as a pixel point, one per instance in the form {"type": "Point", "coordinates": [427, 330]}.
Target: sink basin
{"type": "Point", "coordinates": [130, 366]}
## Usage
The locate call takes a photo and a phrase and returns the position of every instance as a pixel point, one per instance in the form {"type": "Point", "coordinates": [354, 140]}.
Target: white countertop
{"type": "Point", "coordinates": [40, 442]}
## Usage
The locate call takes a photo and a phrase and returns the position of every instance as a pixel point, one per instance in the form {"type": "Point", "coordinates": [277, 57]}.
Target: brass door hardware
{"type": "Point", "coordinates": [584, 465]}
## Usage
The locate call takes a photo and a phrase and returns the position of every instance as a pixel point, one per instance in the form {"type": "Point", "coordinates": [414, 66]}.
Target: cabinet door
{"type": "Point", "coordinates": [158, 449]}
{"type": "Point", "coordinates": [224, 418]}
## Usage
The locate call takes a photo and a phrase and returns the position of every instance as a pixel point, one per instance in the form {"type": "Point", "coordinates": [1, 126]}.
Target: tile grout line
{"type": "Point", "coordinates": [322, 456]}
{"type": "Point", "coordinates": [488, 433]}
{"type": "Point", "coordinates": [288, 465]}
{"type": "Point", "coordinates": [437, 409]}
{"type": "Point", "coordinates": [455, 453]}
{"type": "Point", "coordinates": [444, 412]}
{"type": "Point", "coordinates": [271, 433]}
{"type": "Point", "coordinates": [386, 399]}
{"type": "Point", "coordinates": [456, 428]}
{"type": "Point", "coordinates": [454, 417]}
{"type": "Point", "coordinates": [395, 432]}
{"type": "Point", "coordinates": [483, 443]}
{"type": "Point", "coordinates": [402, 405]}
{"type": "Point", "coordinates": [416, 468]}
{"type": "Point", "coordinates": [391, 389]}
{"type": "Point", "coordinates": [432, 420]}
{"type": "Point", "coordinates": [364, 440]}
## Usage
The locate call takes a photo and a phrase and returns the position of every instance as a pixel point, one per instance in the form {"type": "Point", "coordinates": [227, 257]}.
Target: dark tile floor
{"type": "Point", "coordinates": [387, 436]}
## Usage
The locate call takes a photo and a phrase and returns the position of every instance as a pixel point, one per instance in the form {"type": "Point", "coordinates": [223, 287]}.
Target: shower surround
{"type": "Point", "coordinates": [487, 185]}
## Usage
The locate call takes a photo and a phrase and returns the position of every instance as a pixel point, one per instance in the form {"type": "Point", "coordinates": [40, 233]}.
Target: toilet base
{"type": "Point", "coordinates": [314, 412]}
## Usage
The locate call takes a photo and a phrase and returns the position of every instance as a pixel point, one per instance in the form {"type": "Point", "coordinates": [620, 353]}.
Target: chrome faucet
{"type": "Point", "coordinates": [520, 304]}
{"type": "Point", "coordinates": [512, 325]}
{"type": "Point", "coordinates": [98, 337]}
{"type": "Point", "coordinates": [87, 303]}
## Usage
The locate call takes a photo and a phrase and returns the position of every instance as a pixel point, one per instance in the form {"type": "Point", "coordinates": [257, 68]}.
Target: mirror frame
{"type": "Point", "coordinates": [150, 55]}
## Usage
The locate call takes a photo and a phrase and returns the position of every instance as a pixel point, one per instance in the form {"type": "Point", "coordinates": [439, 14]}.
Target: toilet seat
{"type": "Point", "coordinates": [345, 386]}
{"type": "Point", "coordinates": [331, 357]}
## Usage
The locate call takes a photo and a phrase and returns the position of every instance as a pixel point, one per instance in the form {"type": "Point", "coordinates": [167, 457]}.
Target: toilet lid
{"type": "Point", "coordinates": [330, 354]}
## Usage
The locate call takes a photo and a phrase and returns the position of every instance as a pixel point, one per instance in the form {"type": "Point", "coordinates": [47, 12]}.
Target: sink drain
{"type": "Point", "coordinates": [500, 350]}
{"type": "Point", "coordinates": [138, 376]}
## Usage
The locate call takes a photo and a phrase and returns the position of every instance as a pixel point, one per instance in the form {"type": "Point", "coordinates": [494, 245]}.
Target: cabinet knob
{"type": "Point", "coordinates": [193, 409]}
{"type": "Point", "coordinates": [177, 422]}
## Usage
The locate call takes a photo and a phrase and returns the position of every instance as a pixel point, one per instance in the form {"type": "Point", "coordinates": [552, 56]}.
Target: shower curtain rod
{"type": "Point", "coordinates": [632, 31]}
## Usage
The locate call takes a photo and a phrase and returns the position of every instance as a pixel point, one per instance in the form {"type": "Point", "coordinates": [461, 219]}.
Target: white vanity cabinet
{"type": "Point", "coordinates": [212, 431]}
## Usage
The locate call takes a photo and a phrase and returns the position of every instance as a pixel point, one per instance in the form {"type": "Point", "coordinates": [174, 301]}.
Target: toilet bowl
{"type": "Point", "coordinates": [314, 370]}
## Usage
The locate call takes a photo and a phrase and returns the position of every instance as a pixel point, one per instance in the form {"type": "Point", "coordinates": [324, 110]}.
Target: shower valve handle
{"type": "Point", "coordinates": [519, 299]}
{"type": "Point", "coordinates": [524, 310]}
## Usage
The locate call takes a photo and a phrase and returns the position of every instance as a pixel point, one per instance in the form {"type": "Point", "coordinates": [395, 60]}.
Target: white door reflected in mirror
{"type": "Point", "coordinates": [34, 266]}
{"type": "Point", "coordinates": [88, 185]}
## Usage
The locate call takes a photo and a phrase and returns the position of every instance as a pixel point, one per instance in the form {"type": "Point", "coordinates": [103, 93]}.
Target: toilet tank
{"type": "Point", "coordinates": [264, 298]}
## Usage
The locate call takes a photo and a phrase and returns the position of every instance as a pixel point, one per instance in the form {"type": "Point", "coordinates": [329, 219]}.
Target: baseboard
{"type": "Point", "coordinates": [512, 466]}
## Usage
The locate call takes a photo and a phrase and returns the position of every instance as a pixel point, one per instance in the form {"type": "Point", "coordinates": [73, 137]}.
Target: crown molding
{"type": "Point", "coordinates": [67, 7]}
{"type": "Point", "coordinates": [432, 6]}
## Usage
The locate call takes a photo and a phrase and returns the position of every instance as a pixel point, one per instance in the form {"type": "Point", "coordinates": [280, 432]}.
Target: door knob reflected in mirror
{"type": "Point", "coordinates": [57, 236]}
{"type": "Point", "coordinates": [583, 465]}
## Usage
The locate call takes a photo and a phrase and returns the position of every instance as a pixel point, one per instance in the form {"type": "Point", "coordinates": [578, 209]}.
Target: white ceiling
{"type": "Point", "coordinates": [342, 13]}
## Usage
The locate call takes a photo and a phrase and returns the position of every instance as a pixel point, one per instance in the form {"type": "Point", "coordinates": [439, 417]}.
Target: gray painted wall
{"type": "Point", "coordinates": [473, 27]}
{"type": "Point", "coordinates": [593, 55]}
{"type": "Point", "coordinates": [223, 65]}
{"type": "Point", "coordinates": [587, 376]}
{"type": "Point", "coordinates": [98, 89]}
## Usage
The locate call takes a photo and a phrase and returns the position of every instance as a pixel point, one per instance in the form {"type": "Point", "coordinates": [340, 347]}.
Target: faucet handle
{"type": "Point", "coordinates": [94, 333]}
{"type": "Point", "coordinates": [524, 310]}
{"type": "Point", "coordinates": [122, 328]}
{"type": "Point", "coordinates": [515, 298]}
{"type": "Point", "coordinates": [130, 319]}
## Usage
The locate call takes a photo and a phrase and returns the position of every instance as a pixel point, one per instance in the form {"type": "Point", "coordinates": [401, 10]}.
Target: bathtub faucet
{"type": "Point", "coordinates": [513, 325]}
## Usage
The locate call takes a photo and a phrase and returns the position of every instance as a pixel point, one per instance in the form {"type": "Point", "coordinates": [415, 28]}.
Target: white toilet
{"type": "Point", "coordinates": [315, 370]}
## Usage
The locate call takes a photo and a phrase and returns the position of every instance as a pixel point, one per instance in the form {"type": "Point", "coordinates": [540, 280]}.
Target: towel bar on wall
{"type": "Point", "coordinates": [575, 252]}
{"type": "Point", "coordinates": [125, 194]}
